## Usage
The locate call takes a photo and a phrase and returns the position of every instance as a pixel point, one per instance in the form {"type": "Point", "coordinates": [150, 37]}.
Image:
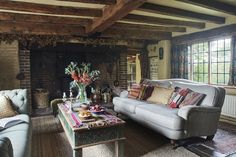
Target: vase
{"type": "Point", "coordinates": [82, 96]}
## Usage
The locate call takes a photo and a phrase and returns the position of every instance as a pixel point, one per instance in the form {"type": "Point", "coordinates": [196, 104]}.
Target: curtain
{"type": "Point", "coordinates": [144, 63]}
{"type": "Point", "coordinates": [179, 61]}
{"type": "Point", "coordinates": [232, 73]}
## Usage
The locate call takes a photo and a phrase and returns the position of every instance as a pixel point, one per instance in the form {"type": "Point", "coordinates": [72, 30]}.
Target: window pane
{"type": "Point", "coordinates": [205, 78]}
{"type": "Point", "coordinates": [227, 67]}
{"type": "Point", "coordinates": [214, 78]}
{"type": "Point", "coordinates": [201, 47]}
{"type": "Point", "coordinates": [221, 56]}
{"type": "Point", "coordinates": [214, 56]}
{"type": "Point", "coordinates": [227, 44]}
{"type": "Point", "coordinates": [205, 57]}
{"type": "Point", "coordinates": [200, 68]}
{"type": "Point", "coordinates": [200, 78]}
{"type": "Point", "coordinates": [205, 68]}
{"type": "Point", "coordinates": [221, 68]}
{"type": "Point", "coordinates": [213, 45]}
{"type": "Point", "coordinates": [220, 45]}
{"type": "Point", "coordinates": [205, 48]}
{"type": "Point", "coordinates": [214, 67]}
{"type": "Point", "coordinates": [227, 56]}
{"type": "Point", "coordinates": [221, 78]}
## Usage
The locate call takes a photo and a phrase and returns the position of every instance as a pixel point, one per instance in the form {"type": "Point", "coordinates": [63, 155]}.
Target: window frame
{"type": "Point", "coordinates": [190, 66]}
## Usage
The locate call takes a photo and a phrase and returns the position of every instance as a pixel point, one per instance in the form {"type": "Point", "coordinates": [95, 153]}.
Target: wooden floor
{"type": "Point", "coordinates": [49, 140]}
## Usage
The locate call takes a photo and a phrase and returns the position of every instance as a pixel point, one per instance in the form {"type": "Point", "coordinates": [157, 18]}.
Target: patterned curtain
{"type": "Point", "coordinates": [144, 63]}
{"type": "Point", "coordinates": [179, 61]}
{"type": "Point", "coordinates": [232, 77]}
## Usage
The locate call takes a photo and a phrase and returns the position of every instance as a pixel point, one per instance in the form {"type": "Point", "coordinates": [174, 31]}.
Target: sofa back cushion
{"type": "Point", "coordinates": [19, 98]}
{"type": "Point", "coordinates": [160, 95]}
{"type": "Point", "coordinates": [211, 92]}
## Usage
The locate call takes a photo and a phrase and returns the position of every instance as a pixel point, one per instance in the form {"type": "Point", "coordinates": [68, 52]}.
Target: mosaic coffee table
{"type": "Point", "coordinates": [104, 128]}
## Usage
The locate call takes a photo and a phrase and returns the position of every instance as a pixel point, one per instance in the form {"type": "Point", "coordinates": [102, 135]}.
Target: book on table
{"type": "Point", "coordinates": [9, 122]}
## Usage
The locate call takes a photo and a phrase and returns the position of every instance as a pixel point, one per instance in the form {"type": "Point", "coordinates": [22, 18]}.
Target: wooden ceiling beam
{"type": "Point", "coordinates": [49, 9]}
{"type": "Point", "coordinates": [14, 17]}
{"type": "Point", "coordinates": [106, 2]}
{"type": "Point", "coordinates": [113, 13]}
{"type": "Point", "coordinates": [40, 29]}
{"type": "Point", "coordinates": [165, 10]}
{"type": "Point", "coordinates": [138, 27]}
{"type": "Point", "coordinates": [130, 34]}
{"type": "Point", "coordinates": [162, 21]}
{"type": "Point", "coordinates": [213, 5]}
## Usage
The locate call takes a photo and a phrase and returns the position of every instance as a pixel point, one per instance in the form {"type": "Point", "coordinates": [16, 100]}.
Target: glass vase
{"type": "Point", "coordinates": [82, 96]}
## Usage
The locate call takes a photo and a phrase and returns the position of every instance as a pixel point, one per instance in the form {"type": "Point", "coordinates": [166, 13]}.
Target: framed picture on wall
{"type": "Point", "coordinates": [154, 67]}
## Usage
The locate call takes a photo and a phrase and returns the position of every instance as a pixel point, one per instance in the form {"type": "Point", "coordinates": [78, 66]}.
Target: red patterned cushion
{"type": "Point", "coordinates": [134, 91]}
{"type": "Point", "coordinates": [177, 97]}
{"type": "Point", "coordinates": [148, 92]}
{"type": "Point", "coordinates": [192, 98]}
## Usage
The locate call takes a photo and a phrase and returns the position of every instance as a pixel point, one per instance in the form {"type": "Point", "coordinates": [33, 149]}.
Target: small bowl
{"type": "Point", "coordinates": [84, 106]}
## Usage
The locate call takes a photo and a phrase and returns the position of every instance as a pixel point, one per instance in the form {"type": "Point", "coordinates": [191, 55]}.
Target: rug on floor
{"type": "Point", "coordinates": [49, 140]}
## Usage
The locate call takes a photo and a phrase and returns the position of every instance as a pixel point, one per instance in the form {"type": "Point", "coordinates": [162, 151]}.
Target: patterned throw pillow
{"type": "Point", "coordinates": [148, 92]}
{"type": "Point", "coordinates": [134, 91]}
{"type": "Point", "coordinates": [160, 95]}
{"type": "Point", "coordinates": [192, 98]}
{"type": "Point", "coordinates": [6, 109]}
{"type": "Point", "coordinates": [177, 97]}
{"type": "Point", "coordinates": [142, 91]}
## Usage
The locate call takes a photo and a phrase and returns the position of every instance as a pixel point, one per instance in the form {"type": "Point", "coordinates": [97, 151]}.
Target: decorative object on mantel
{"type": "Point", "coordinates": [27, 40]}
{"type": "Point", "coordinates": [82, 76]}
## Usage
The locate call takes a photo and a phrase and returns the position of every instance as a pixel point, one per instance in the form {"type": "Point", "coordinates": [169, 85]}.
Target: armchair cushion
{"type": "Point", "coordinates": [5, 147]}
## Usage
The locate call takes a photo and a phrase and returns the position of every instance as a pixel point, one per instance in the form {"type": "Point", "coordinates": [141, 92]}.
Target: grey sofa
{"type": "Point", "coordinates": [176, 124]}
{"type": "Point", "coordinates": [15, 141]}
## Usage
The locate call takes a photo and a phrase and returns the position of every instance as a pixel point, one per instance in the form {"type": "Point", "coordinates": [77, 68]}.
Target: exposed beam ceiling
{"type": "Point", "coordinates": [113, 13]}
{"type": "Point", "coordinates": [49, 9]}
{"type": "Point", "coordinates": [130, 34]}
{"type": "Point", "coordinates": [138, 27]}
{"type": "Point", "coordinates": [213, 5]}
{"type": "Point", "coordinates": [39, 28]}
{"type": "Point", "coordinates": [162, 21]}
{"type": "Point", "coordinates": [160, 9]}
{"type": "Point", "coordinates": [13, 17]}
{"type": "Point", "coordinates": [107, 2]}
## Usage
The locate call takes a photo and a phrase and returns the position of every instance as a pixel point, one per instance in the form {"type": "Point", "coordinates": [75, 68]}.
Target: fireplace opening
{"type": "Point", "coordinates": [48, 65]}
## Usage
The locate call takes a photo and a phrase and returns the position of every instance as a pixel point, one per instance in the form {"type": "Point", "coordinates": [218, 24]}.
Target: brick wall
{"type": "Point", "coordinates": [24, 59]}
{"type": "Point", "coordinates": [123, 70]}
{"type": "Point", "coordinates": [9, 66]}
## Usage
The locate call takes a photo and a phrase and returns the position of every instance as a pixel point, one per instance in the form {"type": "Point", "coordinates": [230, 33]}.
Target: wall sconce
{"type": "Point", "coordinates": [161, 53]}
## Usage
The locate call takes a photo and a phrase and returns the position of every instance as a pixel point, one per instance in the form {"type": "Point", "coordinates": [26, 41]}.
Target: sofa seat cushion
{"type": "Point", "coordinates": [160, 115]}
{"type": "Point", "coordinates": [24, 126]}
{"type": "Point", "coordinates": [127, 104]}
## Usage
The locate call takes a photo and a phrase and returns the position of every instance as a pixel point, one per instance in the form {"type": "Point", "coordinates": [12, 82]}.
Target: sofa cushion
{"type": "Point", "coordinates": [160, 115]}
{"type": "Point", "coordinates": [6, 109]}
{"type": "Point", "coordinates": [127, 104]}
{"type": "Point", "coordinates": [160, 95]}
{"type": "Point", "coordinates": [192, 98]}
{"type": "Point", "coordinates": [211, 92]}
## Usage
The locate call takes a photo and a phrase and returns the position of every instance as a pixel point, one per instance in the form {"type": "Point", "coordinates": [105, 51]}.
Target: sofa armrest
{"type": "Point", "coordinates": [124, 94]}
{"type": "Point", "coordinates": [200, 120]}
{"type": "Point", "coordinates": [186, 111]}
{"type": "Point", "coordinates": [5, 147]}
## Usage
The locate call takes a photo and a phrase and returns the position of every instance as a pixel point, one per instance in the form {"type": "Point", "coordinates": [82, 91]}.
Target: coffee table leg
{"type": "Point", "coordinates": [119, 148]}
{"type": "Point", "coordinates": [77, 153]}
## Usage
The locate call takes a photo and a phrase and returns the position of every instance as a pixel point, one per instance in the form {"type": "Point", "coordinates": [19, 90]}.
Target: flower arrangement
{"type": "Point", "coordinates": [82, 76]}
